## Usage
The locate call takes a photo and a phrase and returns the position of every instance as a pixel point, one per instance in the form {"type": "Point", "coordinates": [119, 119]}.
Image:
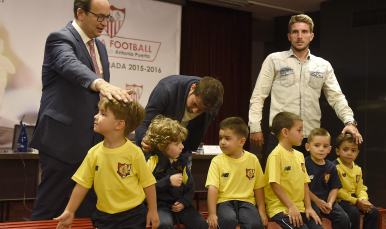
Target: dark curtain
{"type": "Point", "coordinates": [217, 42]}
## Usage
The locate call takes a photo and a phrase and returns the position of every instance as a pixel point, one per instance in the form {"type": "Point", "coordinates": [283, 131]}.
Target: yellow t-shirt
{"type": "Point", "coordinates": [236, 178]}
{"type": "Point", "coordinates": [289, 171]}
{"type": "Point", "coordinates": [352, 183]}
{"type": "Point", "coordinates": [119, 176]}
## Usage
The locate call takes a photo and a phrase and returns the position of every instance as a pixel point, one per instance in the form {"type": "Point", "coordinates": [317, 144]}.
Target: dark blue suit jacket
{"type": "Point", "coordinates": [64, 129]}
{"type": "Point", "coordinates": [169, 99]}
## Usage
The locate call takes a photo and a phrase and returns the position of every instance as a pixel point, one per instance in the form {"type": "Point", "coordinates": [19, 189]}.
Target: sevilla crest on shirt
{"type": "Point", "coordinates": [358, 178]}
{"type": "Point", "coordinates": [123, 170]}
{"type": "Point", "coordinates": [250, 173]}
{"type": "Point", "coordinates": [326, 177]}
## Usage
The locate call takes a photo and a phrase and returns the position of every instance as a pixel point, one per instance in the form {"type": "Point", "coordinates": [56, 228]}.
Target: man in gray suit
{"type": "Point", "coordinates": [75, 73]}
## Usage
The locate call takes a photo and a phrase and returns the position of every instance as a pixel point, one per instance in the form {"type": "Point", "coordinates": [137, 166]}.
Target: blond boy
{"type": "Point", "coordinates": [117, 169]}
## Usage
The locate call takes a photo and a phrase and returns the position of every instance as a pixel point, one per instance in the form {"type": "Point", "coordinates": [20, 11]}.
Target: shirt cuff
{"type": "Point", "coordinates": [92, 85]}
{"type": "Point", "coordinates": [254, 128]}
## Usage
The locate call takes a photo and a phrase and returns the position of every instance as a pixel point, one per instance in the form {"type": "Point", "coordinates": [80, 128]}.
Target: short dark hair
{"type": "Point", "coordinates": [211, 91]}
{"type": "Point", "coordinates": [237, 125]}
{"type": "Point", "coordinates": [284, 120]}
{"type": "Point", "coordinates": [132, 113]}
{"type": "Point", "coordinates": [83, 4]}
{"type": "Point", "coordinates": [318, 132]}
{"type": "Point", "coordinates": [347, 137]}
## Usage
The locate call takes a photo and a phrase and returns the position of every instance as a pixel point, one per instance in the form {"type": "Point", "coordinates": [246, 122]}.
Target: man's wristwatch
{"type": "Point", "coordinates": [351, 122]}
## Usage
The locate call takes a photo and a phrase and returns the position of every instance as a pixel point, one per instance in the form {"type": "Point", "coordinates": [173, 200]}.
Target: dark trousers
{"type": "Point", "coordinates": [370, 221]}
{"type": "Point", "coordinates": [283, 221]}
{"type": "Point", "coordinates": [338, 217]}
{"type": "Point", "coordinates": [55, 187]}
{"type": "Point", "coordinates": [273, 141]}
{"type": "Point", "coordinates": [231, 213]}
{"type": "Point", "coordinates": [134, 218]}
{"type": "Point", "coordinates": [188, 216]}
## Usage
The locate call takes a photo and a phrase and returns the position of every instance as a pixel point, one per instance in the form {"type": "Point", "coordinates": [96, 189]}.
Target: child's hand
{"type": "Point", "coordinates": [177, 207]}
{"type": "Point", "coordinates": [264, 218]}
{"type": "Point", "coordinates": [212, 221]}
{"type": "Point", "coordinates": [328, 206]}
{"type": "Point", "coordinates": [322, 206]}
{"type": "Point", "coordinates": [176, 179]}
{"type": "Point", "coordinates": [312, 213]}
{"type": "Point", "coordinates": [295, 217]}
{"type": "Point", "coordinates": [65, 220]}
{"type": "Point", "coordinates": [152, 216]}
{"type": "Point", "coordinates": [364, 205]}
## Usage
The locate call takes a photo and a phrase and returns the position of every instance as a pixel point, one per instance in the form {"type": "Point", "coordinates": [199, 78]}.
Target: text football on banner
{"type": "Point", "coordinates": [143, 44]}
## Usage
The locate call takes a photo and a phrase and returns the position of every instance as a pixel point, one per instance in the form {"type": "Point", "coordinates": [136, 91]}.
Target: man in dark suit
{"type": "Point", "coordinates": [75, 73]}
{"type": "Point", "coordinates": [191, 100]}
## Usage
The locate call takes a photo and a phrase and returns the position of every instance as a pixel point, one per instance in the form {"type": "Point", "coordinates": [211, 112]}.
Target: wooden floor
{"type": "Point", "coordinates": [19, 212]}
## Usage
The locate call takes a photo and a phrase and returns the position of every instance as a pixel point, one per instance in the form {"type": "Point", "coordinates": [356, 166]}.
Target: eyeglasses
{"type": "Point", "coordinates": [101, 18]}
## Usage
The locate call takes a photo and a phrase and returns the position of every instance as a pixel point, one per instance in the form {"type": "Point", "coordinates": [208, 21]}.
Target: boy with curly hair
{"type": "Point", "coordinates": [175, 187]}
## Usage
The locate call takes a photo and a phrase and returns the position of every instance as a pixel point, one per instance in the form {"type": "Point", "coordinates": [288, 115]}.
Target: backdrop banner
{"type": "Point", "coordinates": [143, 44]}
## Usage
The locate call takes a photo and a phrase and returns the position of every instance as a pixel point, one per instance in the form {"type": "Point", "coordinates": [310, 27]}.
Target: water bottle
{"type": "Point", "coordinates": [22, 142]}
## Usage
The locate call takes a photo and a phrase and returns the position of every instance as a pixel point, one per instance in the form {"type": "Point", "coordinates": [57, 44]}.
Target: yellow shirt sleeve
{"type": "Point", "coordinates": [262, 180]}
{"type": "Point", "coordinates": [273, 168]}
{"type": "Point", "coordinates": [213, 177]}
{"type": "Point", "coordinates": [85, 173]}
{"type": "Point", "coordinates": [145, 177]}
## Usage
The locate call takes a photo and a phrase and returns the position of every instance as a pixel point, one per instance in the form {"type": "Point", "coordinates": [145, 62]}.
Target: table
{"type": "Point", "coordinates": [19, 177]}
{"type": "Point", "coordinates": [200, 167]}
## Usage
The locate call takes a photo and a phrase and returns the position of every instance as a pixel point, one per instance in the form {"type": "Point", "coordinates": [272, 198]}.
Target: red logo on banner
{"type": "Point", "coordinates": [137, 91]}
{"type": "Point", "coordinates": [115, 25]}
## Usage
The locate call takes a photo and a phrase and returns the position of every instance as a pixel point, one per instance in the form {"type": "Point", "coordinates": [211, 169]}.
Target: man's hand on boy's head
{"type": "Point", "coordinates": [145, 145]}
{"type": "Point", "coordinates": [312, 213]}
{"type": "Point", "coordinates": [212, 220]}
{"type": "Point", "coordinates": [352, 129]}
{"type": "Point", "coordinates": [65, 220]}
{"type": "Point", "coordinates": [295, 217]}
{"type": "Point", "coordinates": [177, 207]}
{"type": "Point", "coordinates": [152, 217]}
{"type": "Point", "coordinates": [176, 180]}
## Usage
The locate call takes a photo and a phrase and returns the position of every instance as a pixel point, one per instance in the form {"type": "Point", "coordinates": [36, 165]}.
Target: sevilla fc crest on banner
{"type": "Point", "coordinates": [137, 91]}
{"type": "Point", "coordinates": [250, 173]}
{"type": "Point", "coordinates": [124, 170]}
{"type": "Point", "coordinates": [116, 23]}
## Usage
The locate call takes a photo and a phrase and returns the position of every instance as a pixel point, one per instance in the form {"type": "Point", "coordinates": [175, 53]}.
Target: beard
{"type": "Point", "coordinates": [302, 49]}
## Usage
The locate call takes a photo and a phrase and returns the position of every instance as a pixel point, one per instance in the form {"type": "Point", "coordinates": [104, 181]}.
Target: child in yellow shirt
{"type": "Point", "coordinates": [352, 197]}
{"type": "Point", "coordinates": [117, 169]}
{"type": "Point", "coordinates": [287, 196]}
{"type": "Point", "coordinates": [235, 181]}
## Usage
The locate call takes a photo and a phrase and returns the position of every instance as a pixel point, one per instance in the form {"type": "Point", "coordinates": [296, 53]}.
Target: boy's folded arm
{"type": "Point", "coordinates": [187, 196]}
{"type": "Point", "coordinates": [314, 198]}
{"type": "Point", "coordinates": [163, 184]}
{"type": "Point", "coordinates": [345, 195]}
{"type": "Point", "coordinates": [361, 191]}
{"type": "Point", "coordinates": [332, 196]}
